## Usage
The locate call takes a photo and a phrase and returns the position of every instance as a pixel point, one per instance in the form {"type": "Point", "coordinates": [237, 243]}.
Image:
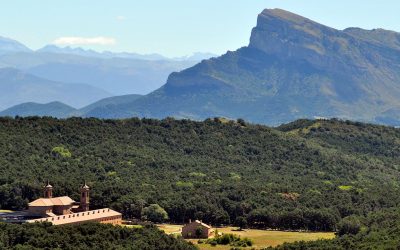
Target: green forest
{"type": "Point", "coordinates": [86, 236]}
{"type": "Point", "coordinates": [319, 175]}
{"type": "Point", "coordinates": [378, 230]}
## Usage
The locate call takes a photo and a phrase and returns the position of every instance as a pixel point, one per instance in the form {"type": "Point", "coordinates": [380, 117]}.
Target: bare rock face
{"type": "Point", "coordinates": [289, 35]}
{"type": "Point", "coordinates": [294, 37]}
{"type": "Point", "coordinates": [352, 51]}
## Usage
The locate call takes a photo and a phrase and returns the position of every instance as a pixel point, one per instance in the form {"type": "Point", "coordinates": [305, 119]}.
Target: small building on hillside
{"type": "Point", "coordinates": [196, 230]}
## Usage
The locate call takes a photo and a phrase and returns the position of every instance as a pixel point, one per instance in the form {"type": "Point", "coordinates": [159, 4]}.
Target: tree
{"type": "Point", "coordinates": [155, 213]}
{"type": "Point", "coordinates": [137, 207]}
{"type": "Point", "coordinates": [349, 225]}
{"type": "Point", "coordinates": [241, 222]}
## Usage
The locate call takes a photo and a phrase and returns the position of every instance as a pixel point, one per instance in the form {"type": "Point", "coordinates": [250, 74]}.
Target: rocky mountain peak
{"type": "Point", "coordinates": [283, 15]}
{"type": "Point", "coordinates": [287, 34]}
{"type": "Point", "coordinates": [293, 37]}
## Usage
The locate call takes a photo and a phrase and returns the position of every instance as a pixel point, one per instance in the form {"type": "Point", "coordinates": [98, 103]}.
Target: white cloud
{"type": "Point", "coordinates": [121, 18]}
{"type": "Point", "coordinates": [73, 40]}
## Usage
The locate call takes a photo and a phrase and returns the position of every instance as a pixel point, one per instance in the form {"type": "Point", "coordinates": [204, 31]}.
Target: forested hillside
{"type": "Point", "coordinates": [303, 175]}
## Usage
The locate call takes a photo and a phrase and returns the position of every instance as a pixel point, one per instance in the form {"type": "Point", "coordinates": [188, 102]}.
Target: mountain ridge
{"type": "Point", "coordinates": [18, 87]}
{"type": "Point", "coordinates": [54, 109]}
{"type": "Point", "coordinates": [197, 56]}
{"type": "Point", "coordinates": [8, 45]}
{"type": "Point", "coordinates": [62, 110]}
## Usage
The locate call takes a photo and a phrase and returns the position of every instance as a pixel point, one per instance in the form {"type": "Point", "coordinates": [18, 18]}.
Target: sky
{"type": "Point", "coordinates": [172, 27]}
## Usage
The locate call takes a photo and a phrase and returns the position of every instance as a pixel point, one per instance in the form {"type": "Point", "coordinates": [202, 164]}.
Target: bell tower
{"type": "Point", "coordinates": [84, 204]}
{"type": "Point", "coordinates": [48, 191]}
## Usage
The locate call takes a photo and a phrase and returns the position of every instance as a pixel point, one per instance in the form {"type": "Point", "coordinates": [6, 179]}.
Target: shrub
{"type": "Point", "coordinates": [232, 240]}
{"type": "Point", "coordinates": [61, 152]}
{"type": "Point", "coordinates": [345, 188]}
{"type": "Point", "coordinates": [155, 213]}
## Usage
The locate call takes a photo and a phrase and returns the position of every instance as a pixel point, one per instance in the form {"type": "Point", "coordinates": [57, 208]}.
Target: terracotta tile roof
{"type": "Point", "coordinates": [62, 201]}
{"type": "Point", "coordinates": [203, 224]}
{"type": "Point", "coordinates": [42, 202]}
{"type": "Point", "coordinates": [79, 217]}
{"type": "Point", "coordinates": [49, 202]}
{"type": "Point", "coordinates": [200, 223]}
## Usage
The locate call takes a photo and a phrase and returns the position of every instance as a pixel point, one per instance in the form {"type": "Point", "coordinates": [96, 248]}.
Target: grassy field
{"type": "Point", "coordinates": [170, 229]}
{"type": "Point", "coordinates": [5, 211]}
{"type": "Point", "coordinates": [261, 238]}
{"type": "Point", "coordinates": [133, 226]}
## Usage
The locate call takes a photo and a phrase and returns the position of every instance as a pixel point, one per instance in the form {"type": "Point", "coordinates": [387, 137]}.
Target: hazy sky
{"type": "Point", "coordinates": [172, 27]}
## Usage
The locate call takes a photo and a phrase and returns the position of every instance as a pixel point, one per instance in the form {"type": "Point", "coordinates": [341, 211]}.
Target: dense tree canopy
{"type": "Point", "coordinates": [379, 230]}
{"type": "Point", "coordinates": [86, 236]}
{"type": "Point", "coordinates": [303, 175]}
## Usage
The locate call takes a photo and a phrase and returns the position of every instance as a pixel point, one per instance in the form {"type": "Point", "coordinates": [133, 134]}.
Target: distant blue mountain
{"type": "Point", "coordinates": [54, 109]}
{"type": "Point", "coordinates": [8, 46]}
{"type": "Point", "coordinates": [118, 73]}
{"type": "Point", "coordinates": [61, 110]}
{"type": "Point", "coordinates": [118, 76]}
{"type": "Point", "coordinates": [106, 54]}
{"type": "Point", "coordinates": [17, 87]}
{"type": "Point", "coordinates": [197, 56]}
{"type": "Point", "coordinates": [79, 77]}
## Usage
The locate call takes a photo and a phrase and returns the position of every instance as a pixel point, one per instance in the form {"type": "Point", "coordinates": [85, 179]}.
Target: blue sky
{"type": "Point", "coordinates": [172, 27]}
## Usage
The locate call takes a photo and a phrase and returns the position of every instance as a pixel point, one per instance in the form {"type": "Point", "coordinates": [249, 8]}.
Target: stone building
{"type": "Point", "coordinates": [196, 230]}
{"type": "Point", "coordinates": [104, 215]}
{"type": "Point", "coordinates": [64, 210]}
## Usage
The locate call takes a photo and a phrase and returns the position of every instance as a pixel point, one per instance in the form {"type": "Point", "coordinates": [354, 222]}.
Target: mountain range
{"type": "Point", "coordinates": [89, 74]}
{"type": "Point", "coordinates": [197, 56]}
{"type": "Point", "coordinates": [292, 68]}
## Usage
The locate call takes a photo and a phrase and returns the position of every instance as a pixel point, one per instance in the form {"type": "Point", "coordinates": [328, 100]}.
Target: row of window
{"type": "Point", "coordinates": [77, 214]}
